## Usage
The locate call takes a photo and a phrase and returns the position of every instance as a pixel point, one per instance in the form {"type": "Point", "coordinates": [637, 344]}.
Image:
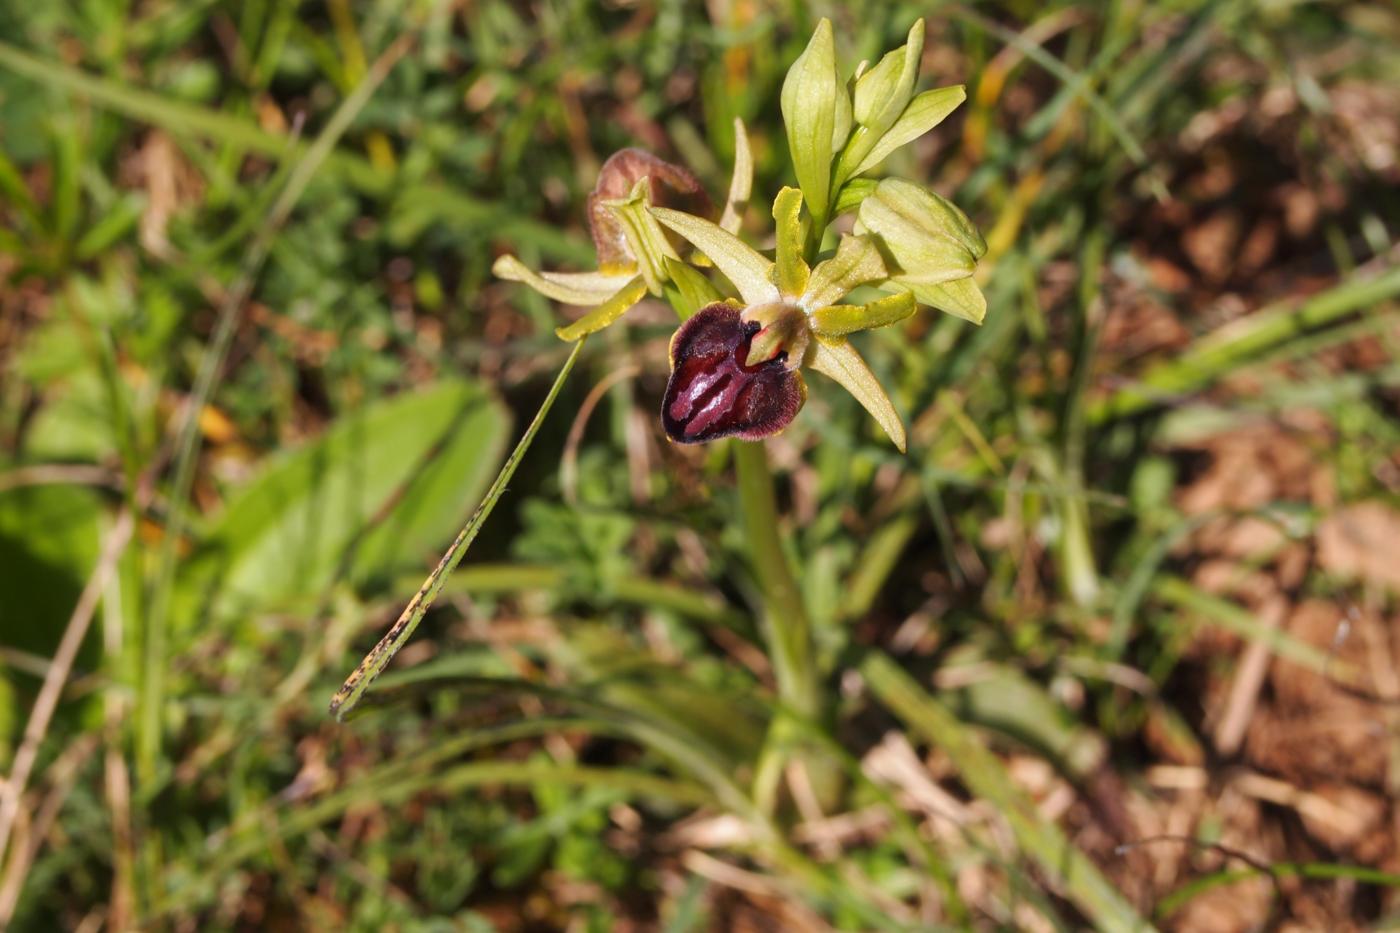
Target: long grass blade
{"type": "Point", "coordinates": [381, 654]}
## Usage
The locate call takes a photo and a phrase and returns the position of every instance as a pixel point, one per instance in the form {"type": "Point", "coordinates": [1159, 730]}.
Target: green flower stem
{"type": "Point", "coordinates": [786, 626]}
{"type": "Point", "coordinates": [788, 632]}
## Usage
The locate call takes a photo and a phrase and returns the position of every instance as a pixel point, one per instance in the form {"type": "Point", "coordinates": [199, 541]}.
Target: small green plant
{"type": "Point", "coordinates": [750, 325]}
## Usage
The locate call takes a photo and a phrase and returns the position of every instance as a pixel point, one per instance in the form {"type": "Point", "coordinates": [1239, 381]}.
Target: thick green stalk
{"type": "Point", "coordinates": [788, 633]}
{"type": "Point", "coordinates": [785, 625]}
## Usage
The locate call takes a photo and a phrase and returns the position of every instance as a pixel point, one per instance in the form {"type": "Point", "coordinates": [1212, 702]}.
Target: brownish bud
{"type": "Point", "coordinates": [669, 185]}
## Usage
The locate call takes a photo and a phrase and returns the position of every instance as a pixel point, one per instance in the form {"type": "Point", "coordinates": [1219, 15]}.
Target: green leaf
{"type": "Point", "coordinates": [809, 103]}
{"type": "Point", "coordinates": [379, 657]}
{"type": "Point", "coordinates": [857, 261]}
{"type": "Point", "coordinates": [835, 357]}
{"type": "Point", "coordinates": [740, 183]}
{"type": "Point", "coordinates": [924, 112]}
{"type": "Point", "coordinates": [960, 297]}
{"type": "Point", "coordinates": [379, 491]}
{"type": "Point", "coordinates": [748, 269]}
{"type": "Point", "coordinates": [840, 320]}
{"type": "Point", "coordinates": [792, 271]}
{"type": "Point", "coordinates": [606, 313]}
{"type": "Point", "coordinates": [49, 538]}
{"type": "Point", "coordinates": [584, 289]}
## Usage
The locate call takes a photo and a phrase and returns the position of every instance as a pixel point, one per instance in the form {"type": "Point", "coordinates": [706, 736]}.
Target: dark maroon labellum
{"type": "Point", "coordinates": [712, 394]}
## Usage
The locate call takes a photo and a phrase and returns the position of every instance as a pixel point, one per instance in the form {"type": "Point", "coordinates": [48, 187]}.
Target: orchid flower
{"type": "Point", "coordinates": [634, 254]}
{"type": "Point", "coordinates": [735, 368]}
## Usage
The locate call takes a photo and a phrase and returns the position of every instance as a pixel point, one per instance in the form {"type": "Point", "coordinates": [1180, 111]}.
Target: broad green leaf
{"type": "Point", "coordinates": [48, 546]}
{"type": "Point", "coordinates": [924, 112]}
{"type": "Point", "coordinates": [740, 183]}
{"type": "Point", "coordinates": [575, 288]}
{"type": "Point", "coordinates": [840, 320]}
{"type": "Point", "coordinates": [379, 491]}
{"type": "Point", "coordinates": [856, 262]}
{"type": "Point", "coordinates": [744, 266]}
{"type": "Point", "coordinates": [835, 357]}
{"type": "Point", "coordinates": [792, 271]}
{"type": "Point", "coordinates": [74, 424]}
{"type": "Point", "coordinates": [606, 313]}
{"type": "Point", "coordinates": [809, 104]}
{"type": "Point", "coordinates": [960, 297]}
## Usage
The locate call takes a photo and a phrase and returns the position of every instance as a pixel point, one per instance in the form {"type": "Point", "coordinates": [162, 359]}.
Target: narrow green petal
{"type": "Point", "coordinates": [839, 320]}
{"type": "Point", "coordinates": [960, 297]}
{"type": "Point", "coordinates": [809, 105]}
{"type": "Point", "coordinates": [740, 183]}
{"type": "Point", "coordinates": [835, 357]}
{"type": "Point", "coordinates": [605, 313]}
{"type": "Point", "coordinates": [923, 113]}
{"type": "Point", "coordinates": [792, 270]}
{"type": "Point", "coordinates": [575, 288]}
{"type": "Point", "coordinates": [856, 262]}
{"type": "Point", "coordinates": [646, 240]}
{"type": "Point", "coordinates": [745, 266]}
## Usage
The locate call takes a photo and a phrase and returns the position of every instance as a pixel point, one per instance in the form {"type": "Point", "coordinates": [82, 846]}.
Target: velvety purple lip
{"type": "Point", "coordinates": [713, 394]}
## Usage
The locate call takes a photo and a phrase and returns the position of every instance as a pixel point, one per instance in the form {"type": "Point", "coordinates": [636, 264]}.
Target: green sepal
{"type": "Point", "coordinates": [810, 116]}
{"type": "Point", "coordinates": [835, 357]}
{"type": "Point", "coordinates": [574, 288]}
{"type": "Point", "coordinates": [960, 297]}
{"type": "Point", "coordinates": [689, 290]}
{"type": "Point", "coordinates": [748, 269]}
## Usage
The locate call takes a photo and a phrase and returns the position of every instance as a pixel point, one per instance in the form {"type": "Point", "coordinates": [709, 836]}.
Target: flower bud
{"type": "Point", "coordinates": [928, 236]}
{"type": "Point", "coordinates": [670, 186]}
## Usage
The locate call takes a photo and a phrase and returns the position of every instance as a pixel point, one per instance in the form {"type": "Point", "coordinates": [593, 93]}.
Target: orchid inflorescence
{"type": "Point", "coordinates": [737, 357]}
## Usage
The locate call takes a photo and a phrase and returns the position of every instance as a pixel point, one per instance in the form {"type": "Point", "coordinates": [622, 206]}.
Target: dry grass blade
{"type": "Point", "coordinates": [57, 675]}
